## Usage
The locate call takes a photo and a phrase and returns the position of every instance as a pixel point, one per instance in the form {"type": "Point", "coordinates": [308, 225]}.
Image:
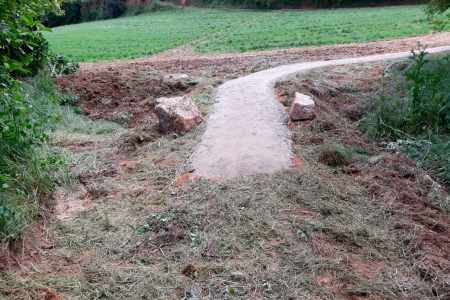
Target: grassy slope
{"type": "Point", "coordinates": [232, 31]}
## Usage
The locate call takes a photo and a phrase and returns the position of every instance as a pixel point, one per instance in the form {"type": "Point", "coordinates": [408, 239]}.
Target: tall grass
{"type": "Point", "coordinates": [412, 112]}
{"type": "Point", "coordinates": [28, 167]}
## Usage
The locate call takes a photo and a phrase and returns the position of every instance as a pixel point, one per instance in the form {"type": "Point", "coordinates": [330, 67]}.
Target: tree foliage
{"type": "Point", "coordinates": [438, 12]}
{"type": "Point", "coordinates": [19, 34]}
{"type": "Point", "coordinates": [72, 14]}
{"type": "Point", "coordinates": [113, 8]}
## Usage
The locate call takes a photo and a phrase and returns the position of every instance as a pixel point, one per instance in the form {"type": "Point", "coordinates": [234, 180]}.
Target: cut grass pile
{"type": "Point", "coordinates": [145, 230]}
{"type": "Point", "coordinates": [232, 31]}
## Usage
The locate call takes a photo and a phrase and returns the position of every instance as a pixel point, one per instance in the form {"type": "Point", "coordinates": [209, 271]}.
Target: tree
{"type": "Point", "coordinates": [436, 9]}
{"type": "Point", "coordinates": [113, 8]}
{"type": "Point", "coordinates": [72, 14]}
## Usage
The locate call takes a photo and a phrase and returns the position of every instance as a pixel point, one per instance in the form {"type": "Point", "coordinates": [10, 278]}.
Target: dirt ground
{"type": "Point", "coordinates": [134, 225]}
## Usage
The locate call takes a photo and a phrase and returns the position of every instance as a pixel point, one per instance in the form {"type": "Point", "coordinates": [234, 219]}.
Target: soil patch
{"type": "Point", "coordinates": [125, 98]}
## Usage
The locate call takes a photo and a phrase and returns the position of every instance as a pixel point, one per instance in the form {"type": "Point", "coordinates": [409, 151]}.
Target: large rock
{"type": "Point", "coordinates": [177, 114]}
{"type": "Point", "coordinates": [303, 108]}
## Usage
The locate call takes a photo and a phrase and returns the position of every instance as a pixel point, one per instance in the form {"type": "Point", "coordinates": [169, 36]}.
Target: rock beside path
{"type": "Point", "coordinates": [177, 114]}
{"type": "Point", "coordinates": [176, 76]}
{"type": "Point", "coordinates": [302, 108]}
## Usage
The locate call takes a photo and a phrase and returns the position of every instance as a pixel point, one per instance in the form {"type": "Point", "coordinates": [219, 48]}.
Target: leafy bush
{"type": "Point", "coordinates": [59, 65]}
{"type": "Point", "coordinates": [37, 56]}
{"type": "Point", "coordinates": [414, 106]}
{"type": "Point", "coordinates": [27, 113]}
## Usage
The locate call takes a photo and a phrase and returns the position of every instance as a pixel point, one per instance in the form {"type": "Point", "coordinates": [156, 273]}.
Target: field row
{"type": "Point", "coordinates": [233, 31]}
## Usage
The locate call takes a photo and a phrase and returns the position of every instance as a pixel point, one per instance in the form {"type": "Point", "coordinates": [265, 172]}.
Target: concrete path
{"type": "Point", "coordinates": [246, 132]}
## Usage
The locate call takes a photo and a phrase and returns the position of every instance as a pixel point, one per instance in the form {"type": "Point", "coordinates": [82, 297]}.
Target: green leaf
{"type": "Point", "coordinates": [300, 232]}
{"type": "Point", "coordinates": [43, 28]}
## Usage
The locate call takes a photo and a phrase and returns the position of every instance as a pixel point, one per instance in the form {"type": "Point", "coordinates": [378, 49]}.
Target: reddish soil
{"type": "Point", "coordinates": [393, 180]}
{"type": "Point", "coordinates": [126, 97]}
{"type": "Point", "coordinates": [15, 254]}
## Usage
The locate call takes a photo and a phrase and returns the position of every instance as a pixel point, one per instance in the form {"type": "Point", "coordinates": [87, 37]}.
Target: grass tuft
{"type": "Point", "coordinates": [334, 156]}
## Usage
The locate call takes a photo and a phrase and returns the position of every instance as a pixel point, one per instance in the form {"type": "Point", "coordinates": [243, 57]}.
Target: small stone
{"type": "Point", "coordinates": [177, 114]}
{"type": "Point", "coordinates": [176, 76]}
{"type": "Point", "coordinates": [302, 108]}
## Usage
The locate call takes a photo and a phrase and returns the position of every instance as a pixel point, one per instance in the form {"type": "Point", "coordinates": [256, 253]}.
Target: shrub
{"type": "Point", "coordinates": [59, 65]}
{"type": "Point", "coordinates": [414, 106]}
{"type": "Point", "coordinates": [92, 15]}
{"type": "Point", "coordinates": [26, 116]}
{"type": "Point", "coordinates": [37, 56]}
{"type": "Point", "coordinates": [415, 102]}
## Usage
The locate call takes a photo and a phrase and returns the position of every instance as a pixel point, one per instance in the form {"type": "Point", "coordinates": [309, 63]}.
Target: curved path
{"type": "Point", "coordinates": [246, 132]}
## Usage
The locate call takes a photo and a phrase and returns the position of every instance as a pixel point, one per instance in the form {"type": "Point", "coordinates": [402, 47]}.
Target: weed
{"type": "Point", "coordinates": [69, 98]}
{"type": "Point", "coordinates": [60, 65]}
{"type": "Point", "coordinates": [154, 223]}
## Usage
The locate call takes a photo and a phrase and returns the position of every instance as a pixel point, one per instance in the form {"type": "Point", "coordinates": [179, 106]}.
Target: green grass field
{"type": "Point", "coordinates": [233, 31]}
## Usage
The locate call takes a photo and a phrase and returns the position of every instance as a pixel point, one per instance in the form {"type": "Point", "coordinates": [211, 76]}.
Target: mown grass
{"type": "Point", "coordinates": [233, 31]}
{"type": "Point", "coordinates": [313, 232]}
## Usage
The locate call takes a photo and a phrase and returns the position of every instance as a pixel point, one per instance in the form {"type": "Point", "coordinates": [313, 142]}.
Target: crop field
{"type": "Point", "coordinates": [209, 31]}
